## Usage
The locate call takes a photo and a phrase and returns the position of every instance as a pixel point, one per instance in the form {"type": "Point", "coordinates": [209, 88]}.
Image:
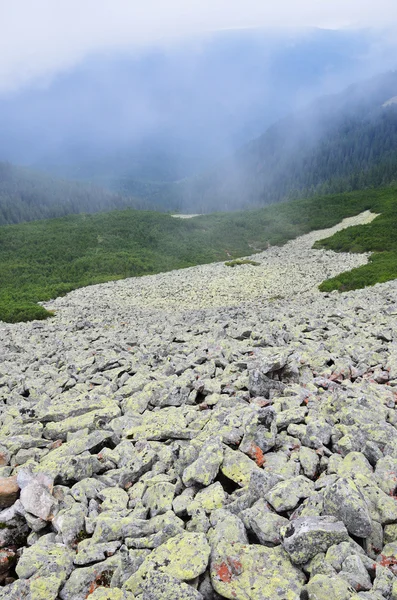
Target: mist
{"type": "Point", "coordinates": [169, 111]}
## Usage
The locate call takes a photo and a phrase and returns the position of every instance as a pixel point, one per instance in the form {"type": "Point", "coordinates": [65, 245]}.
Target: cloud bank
{"type": "Point", "coordinates": [41, 38]}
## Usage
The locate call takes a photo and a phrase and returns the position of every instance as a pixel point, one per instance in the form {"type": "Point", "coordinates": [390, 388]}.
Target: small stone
{"type": "Point", "coordinates": [322, 587]}
{"type": "Point", "coordinates": [306, 537]}
{"type": "Point", "coordinates": [287, 494]}
{"type": "Point", "coordinates": [161, 586]}
{"type": "Point", "coordinates": [204, 470]}
{"type": "Point", "coordinates": [344, 500]}
{"type": "Point", "coordinates": [238, 467]}
{"type": "Point", "coordinates": [88, 552]}
{"type": "Point", "coordinates": [9, 491]}
{"type": "Point", "coordinates": [355, 573]}
{"type": "Point", "coordinates": [208, 499]}
{"type": "Point", "coordinates": [254, 572]}
{"type": "Point", "coordinates": [183, 557]}
{"type": "Point", "coordinates": [265, 524]}
{"type": "Point", "coordinates": [309, 460]}
{"type": "Point", "coordinates": [158, 497]}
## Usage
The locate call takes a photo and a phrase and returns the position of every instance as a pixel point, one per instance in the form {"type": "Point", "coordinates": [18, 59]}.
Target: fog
{"type": "Point", "coordinates": [168, 111]}
{"type": "Point", "coordinates": [38, 39]}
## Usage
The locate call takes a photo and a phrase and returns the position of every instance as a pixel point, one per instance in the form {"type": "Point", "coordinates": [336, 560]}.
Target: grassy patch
{"type": "Point", "coordinates": [378, 237]}
{"type": "Point", "coordinates": [240, 261]}
{"type": "Point", "coordinates": [44, 259]}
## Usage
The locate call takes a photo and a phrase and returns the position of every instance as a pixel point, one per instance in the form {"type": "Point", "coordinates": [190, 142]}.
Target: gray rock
{"type": "Point", "coordinates": [345, 501]}
{"type": "Point", "coordinates": [305, 537]}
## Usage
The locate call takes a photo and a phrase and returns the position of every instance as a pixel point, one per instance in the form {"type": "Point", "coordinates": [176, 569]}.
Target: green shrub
{"type": "Point", "coordinates": [239, 261]}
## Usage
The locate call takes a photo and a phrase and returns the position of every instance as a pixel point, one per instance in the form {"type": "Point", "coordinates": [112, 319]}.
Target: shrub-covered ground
{"type": "Point", "coordinates": [44, 259]}
{"type": "Point", "coordinates": [378, 237]}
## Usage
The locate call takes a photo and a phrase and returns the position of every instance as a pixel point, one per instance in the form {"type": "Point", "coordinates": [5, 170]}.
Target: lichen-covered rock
{"type": "Point", "coordinates": [161, 586]}
{"type": "Point", "coordinates": [183, 557]}
{"type": "Point", "coordinates": [238, 467]}
{"type": "Point", "coordinates": [305, 537]}
{"type": "Point", "coordinates": [113, 499]}
{"type": "Point", "coordinates": [50, 564]}
{"type": "Point", "coordinates": [204, 470]}
{"type": "Point", "coordinates": [286, 494]}
{"type": "Point", "coordinates": [345, 501]}
{"type": "Point", "coordinates": [158, 497]}
{"type": "Point", "coordinates": [208, 499]}
{"type": "Point", "coordinates": [254, 572]}
{"type": "Point", "coordinates": [355, 573]}
{"type": "Point", "coordinates": [103, 593]}
{"type": "Point", "coordinates": [322, 587]}
{"type": "Point", "coordinates": [83, 581]}
{"type": "Point", "coordinates": [264, 523]}
{"type": "Point", "coordinates": [310, 461]}
{"type": "Point", "coordinates": [88, 553]}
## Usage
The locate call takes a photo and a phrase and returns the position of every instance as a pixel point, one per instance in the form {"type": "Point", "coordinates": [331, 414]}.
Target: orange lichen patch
{"type": "Point", "coordinates": [388, 561]}
{"type": "Point", "coordinates": [56, 444]}
{"type": "Point", "coordinates": [102, 580]}
{"type": "Point", "coordinates": [228, 568]}
{"type": "Point", "coordinates": [257, 455]}
{"type": "Point", "coordinates": [223, 572]}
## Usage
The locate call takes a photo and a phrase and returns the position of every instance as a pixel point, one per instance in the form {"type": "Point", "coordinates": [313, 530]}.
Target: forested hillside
{"type": "Point", "coordinates": [341, 143]}
{"type": "Point", "coordinates": [27, 196]}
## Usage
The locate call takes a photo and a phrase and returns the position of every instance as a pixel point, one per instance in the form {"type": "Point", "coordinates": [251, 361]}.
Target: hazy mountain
{"type": "Point", "coordinates": [171, 112]}
{"type": "Point", "coordinates": [339, 143]}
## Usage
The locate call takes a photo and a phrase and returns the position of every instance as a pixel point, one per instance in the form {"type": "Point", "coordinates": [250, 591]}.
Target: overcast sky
{"type": "Point", "coordinates": [40, 37]}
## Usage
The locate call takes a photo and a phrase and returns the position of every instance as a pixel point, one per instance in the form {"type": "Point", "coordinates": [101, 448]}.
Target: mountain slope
{"type": "Point", "coordinates": [26, 195]}
{"type": "Point", "coordinates": [340, 143]}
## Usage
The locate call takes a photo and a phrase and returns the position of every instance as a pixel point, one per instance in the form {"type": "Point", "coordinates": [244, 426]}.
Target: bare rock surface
{"type": "Point", "coordinates": [206, 433]}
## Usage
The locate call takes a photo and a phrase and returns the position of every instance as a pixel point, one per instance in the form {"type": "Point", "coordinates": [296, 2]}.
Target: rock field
{"type": "Point", "coordinates": [208, 433]}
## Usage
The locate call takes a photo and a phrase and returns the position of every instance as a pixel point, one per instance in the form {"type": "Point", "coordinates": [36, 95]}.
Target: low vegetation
{"type": "Point", "coordinates": [378, 237]}
{"type": "Point", "coordinates": [44, 259]}
{"type": "Point", "coordinates": [240, 261]}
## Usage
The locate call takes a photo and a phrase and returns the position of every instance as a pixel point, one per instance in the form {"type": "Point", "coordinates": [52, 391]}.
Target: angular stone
{"type": "Point", "coordinates": [161, 586]}
{"type": "Point", "coordinates": [238, 467]}
{"type": "Point", "coordinates": [322, 587]}
{"type": "Point", "coordinates": [259, 434]}
{"type": "Point", "coordinates": [254, 572]}
{"type": "Point", "coordinates": [265, 524]}
{"type": "Point", "coordinates": [306, 537]}
{"type": "Point", "coordinates": [88, 552]}
{"type": "Point", "coordinates": [85, 580]}
{"type": "Point", "coordinates": [345, 501]}
{"type": "Point", "coordinates": [158, 497]}
{"type": "Point", "coordinates": [113, 499]}
{"type": "Point", "coordinates": [204, 470]}
{"type": "Point", "coordinates": [183, 557]}
{"type": "Point", "coordinates": [355, 573]}
{"type": "Point", "coordinates": [44, 560]}
{"type": "Point", "coordinates": [287, 494]}
{"type": "Point", "coordinates": [36, 497]}
{"type": "Point", "coordinates": [354, 463]}
{"type": "Point", "coordinates": [9, 491]}
{"type": "Point", "coordinates": [70, 523]}
{"type": "Point", "coordinates": [167, 423]}
{"type": "Point", "coordinates": [208, 499]}
{"type": "Point", "coordinates": [309, 460]}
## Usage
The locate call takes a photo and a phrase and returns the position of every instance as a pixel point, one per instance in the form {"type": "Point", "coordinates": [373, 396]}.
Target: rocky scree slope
{"type": "Point", "coordinates": [155, 446]}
